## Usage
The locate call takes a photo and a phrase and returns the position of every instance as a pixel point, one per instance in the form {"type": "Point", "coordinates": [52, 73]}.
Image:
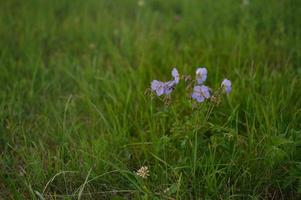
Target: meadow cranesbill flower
{"type": "Point", "coordinates": [161, 88]}
{"type": "Point", "coordinates": [200, 93]}
{"type": "Point", "coordinates": [201, 75]}
{"type": "Point", "coordinates": [226, 85]}
{"type": "Point", "coordinates": [158, 87]}
{"type": "Point", "coordinates": [169, 87]}
{"type": "Point", "coordinates": [143, 172]}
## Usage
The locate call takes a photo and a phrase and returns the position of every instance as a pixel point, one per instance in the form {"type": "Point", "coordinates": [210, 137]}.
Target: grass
{"type": "Point", "coordinates": [76, 123]}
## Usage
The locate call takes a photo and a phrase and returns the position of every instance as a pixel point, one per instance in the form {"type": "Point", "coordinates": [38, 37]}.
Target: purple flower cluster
{"type": "Point", "coordinates": [200, 91]}
{"type": "Point", "coordinates": [166, 88]}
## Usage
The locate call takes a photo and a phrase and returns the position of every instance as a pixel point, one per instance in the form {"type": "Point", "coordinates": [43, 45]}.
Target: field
{"type": "Point", "coordinates": [77, 118]}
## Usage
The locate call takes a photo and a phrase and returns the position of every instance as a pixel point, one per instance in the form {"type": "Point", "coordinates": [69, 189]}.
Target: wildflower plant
{"type": "Point", "coordinates": [201, 98]}
{"type": "Point", "coordinates": [193, 103]}
{"type": "Point", "coordinates": [197, 90]}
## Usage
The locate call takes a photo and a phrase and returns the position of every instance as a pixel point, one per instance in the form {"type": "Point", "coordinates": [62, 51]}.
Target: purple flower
{"type": "Point", "coordinates": [200, 93]}
{"type": "Point", "coordinates": [158, 87]}
{"type": "Point", "coordinates": [175, 75]}
{"type": "Point", "coordinates": [201, 75]}
{"type": "Point", "coordinates": [161, 88]}
{"type": "Point", "coordinates": [169, 87]}
{"type": "Point", "coordinates": [226, 85]}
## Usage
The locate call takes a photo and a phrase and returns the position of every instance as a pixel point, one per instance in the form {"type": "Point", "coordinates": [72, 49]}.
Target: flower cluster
{"type": "Point", "coordinates": [161, 88]}
{"type": "Point", "coordinates": [200, 92]}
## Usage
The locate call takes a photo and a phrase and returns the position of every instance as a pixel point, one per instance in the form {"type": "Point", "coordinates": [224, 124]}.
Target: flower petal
{"type": "Point", "coordinates": [175, 75]}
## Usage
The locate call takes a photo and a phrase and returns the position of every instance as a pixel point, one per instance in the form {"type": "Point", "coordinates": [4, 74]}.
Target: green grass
{"type": "Point", "coordinates": [76, 123]}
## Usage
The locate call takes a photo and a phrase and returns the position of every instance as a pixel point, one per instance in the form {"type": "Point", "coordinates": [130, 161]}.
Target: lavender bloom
{"type": "Point", "coordinates": [158, 87]}
{"type": "Point", "coordinates": [200, 93]}
{"type": "Point", "coordinates": [201, 75]}
{"type": "Point", "coordinates": [226, 85]}
{"type": "Point", "coordinates": [161, 88]}
{"type": "Point", "coordinates": [169, 87]}
{"type": "Point", "coordinates": [175, 75]}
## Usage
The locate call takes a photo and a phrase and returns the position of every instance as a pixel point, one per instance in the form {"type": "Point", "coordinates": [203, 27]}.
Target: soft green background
{"type": "Point", "coordinates": [75, 122]}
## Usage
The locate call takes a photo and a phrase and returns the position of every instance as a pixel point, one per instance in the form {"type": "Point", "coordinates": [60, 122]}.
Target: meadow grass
{"type": "Point", "coordinates": [76, 123]}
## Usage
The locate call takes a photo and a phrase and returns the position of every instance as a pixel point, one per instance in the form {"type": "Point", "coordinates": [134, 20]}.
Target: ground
{"type": "Point", "coordinates": [78, 119]}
